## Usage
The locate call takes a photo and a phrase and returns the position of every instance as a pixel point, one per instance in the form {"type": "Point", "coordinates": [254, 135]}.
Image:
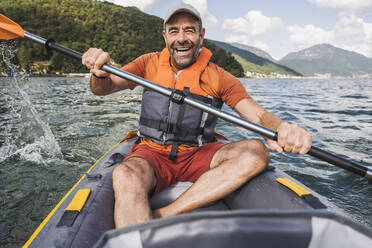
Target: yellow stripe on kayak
{"type": "Point", "coordinates": [293, 186]}
{"type": "Point", "coordinates": [45, 221]}
{"type": "Point", "coordinates": [79, 200]}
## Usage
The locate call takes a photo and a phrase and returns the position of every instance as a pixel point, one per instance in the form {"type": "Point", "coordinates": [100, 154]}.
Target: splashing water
{"type": "Point", "coordinates": [33, 140]}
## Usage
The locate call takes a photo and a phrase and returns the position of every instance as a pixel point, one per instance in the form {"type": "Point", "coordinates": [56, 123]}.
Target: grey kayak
{"type": "Point", "coordinates": [272, 209]}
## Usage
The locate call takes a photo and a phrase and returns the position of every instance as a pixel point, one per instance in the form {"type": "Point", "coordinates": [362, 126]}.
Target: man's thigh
{"type": "Point", "coordinates": [195, 163]}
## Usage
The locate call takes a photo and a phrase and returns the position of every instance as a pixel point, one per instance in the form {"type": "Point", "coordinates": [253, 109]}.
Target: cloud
{"type": "Point", "coordinates": [142, 5]}
{"type": "Point", "coordinates": [242, 39]}
{"type": "Point", "coordinates": [346, 6]}
{"type": "Point", "coordinates": [261, 45]}
{"type": "Point", "coordinates": [145, 5]}
{"type": "Point", "coordinates": [245, 41]}
{"type": "Point", "coordinates": [244, 29]}
{"type": "Point", "coordinates": [202, 7]}
{"type": "Point", "coordinates": [350, 32]}
{"type": "Point", "coordinates": [353, 33]}
{"type": "Point", "coordinates": [252, 24]}
{"type": "Point", "coordinates": [303, 37]}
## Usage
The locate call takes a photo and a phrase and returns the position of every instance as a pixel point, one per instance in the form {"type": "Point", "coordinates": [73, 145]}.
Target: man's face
{"type": "Point", "coordinates": [183, 39]}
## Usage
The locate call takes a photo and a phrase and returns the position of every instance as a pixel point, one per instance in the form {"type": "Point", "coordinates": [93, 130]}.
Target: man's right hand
{"type": "Point", "coordinates": [94, 59]}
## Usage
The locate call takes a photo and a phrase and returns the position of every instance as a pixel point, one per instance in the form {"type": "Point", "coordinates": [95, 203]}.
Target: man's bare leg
{"type": "Point", "coordinates": [133, 180]}
{"type": "Point", "coordinates": [231, 166]}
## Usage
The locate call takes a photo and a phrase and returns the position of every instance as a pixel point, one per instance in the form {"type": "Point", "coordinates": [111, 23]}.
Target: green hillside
{"type": "Point", "coordinates": [125, 33]}
{"type": "Point", "coordinates": [259, 52]}
{"type": "Point", "coordinates": [253, 63]}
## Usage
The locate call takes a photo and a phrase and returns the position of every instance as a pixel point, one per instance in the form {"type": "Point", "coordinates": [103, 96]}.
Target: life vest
{"type": "Point", "coordinates": [168, 122]}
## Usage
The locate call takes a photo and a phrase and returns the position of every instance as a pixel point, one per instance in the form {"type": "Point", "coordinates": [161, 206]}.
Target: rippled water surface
{"type": "Point", "coordinates": [53, 129]}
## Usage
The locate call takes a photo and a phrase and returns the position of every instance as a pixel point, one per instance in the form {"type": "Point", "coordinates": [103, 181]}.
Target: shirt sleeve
{"type": "Point", "coordinates": [231, 89]}
{"type": "Point", "coordinates": [138, 67]}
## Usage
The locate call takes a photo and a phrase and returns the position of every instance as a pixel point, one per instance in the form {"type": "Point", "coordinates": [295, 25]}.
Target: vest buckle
{"type": "Point", "coordinates": [178, 96]}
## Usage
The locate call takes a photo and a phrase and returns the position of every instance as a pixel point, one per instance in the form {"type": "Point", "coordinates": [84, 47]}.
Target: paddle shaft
{"type": "Point", "coordinates": [314, 151]}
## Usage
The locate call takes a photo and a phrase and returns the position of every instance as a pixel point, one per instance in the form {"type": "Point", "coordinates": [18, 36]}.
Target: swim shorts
{"type": "Point", "coordinates": [188, 166]}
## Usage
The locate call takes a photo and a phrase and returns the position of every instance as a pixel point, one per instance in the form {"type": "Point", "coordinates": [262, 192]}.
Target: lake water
{"type": "Point", "coordinates": [53, 129]}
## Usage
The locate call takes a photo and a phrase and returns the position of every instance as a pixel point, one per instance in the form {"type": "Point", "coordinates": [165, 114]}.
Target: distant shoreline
{"type": "Point", "coordinates": [68, 75]}
{"type": "Point", "coordinates": [87, 75]}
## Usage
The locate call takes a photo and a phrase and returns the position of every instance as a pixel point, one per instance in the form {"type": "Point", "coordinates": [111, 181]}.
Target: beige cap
{"type": "Point", "coordinates": [182, 8]}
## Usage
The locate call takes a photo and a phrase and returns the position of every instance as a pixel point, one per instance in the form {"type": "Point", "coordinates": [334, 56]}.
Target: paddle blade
{"type": "Point", "coordinates": [9, 30]}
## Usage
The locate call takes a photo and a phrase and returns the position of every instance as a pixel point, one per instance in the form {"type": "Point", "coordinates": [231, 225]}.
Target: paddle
{"type": "Point", "coordinates": [11, 30]}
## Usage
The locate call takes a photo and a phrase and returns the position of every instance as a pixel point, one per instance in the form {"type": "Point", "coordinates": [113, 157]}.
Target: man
{"type": "Point", "coordinates": [177, 142]}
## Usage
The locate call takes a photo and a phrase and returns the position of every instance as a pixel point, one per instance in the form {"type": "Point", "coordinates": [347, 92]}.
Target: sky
{"type": "Point", "coordinates": [279, 26]}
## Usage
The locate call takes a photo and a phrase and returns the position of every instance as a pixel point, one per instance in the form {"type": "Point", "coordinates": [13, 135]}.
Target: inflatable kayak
{"type": "Point", "coordinates": [270, 210]}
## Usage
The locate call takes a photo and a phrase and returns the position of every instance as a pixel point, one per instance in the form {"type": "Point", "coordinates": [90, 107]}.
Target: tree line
{"type": "Point", "coordinates": [124, 32]}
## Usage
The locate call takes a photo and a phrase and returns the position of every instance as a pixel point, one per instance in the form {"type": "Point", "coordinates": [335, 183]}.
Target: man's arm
{"type": "Point", "coordinates": [102, 82]}
{"type": "Point", "coordinates": [291, 137]}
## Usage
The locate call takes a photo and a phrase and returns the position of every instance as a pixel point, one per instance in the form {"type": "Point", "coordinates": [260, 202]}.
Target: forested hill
{"type": "Point", "coordinates": [125, 33]}
{"type": "Point", "coordinates": [254, 63]}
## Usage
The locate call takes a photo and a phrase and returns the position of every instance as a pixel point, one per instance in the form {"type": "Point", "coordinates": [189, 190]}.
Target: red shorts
{"type": "Point", "coordinates": [188, 166]}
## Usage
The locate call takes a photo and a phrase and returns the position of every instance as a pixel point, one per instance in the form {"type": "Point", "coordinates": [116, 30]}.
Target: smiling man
{"type": "Point", "coordinates": [183, 52]}
{"type": "Point", "coordinates": [177, 142]}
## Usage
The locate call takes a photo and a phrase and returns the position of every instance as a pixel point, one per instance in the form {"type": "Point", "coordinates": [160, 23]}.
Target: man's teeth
{"type": "Point", "coordinates": [182, 49]}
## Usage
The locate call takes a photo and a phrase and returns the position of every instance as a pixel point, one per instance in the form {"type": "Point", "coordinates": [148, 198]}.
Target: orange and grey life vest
{"type": "Point", "coordinates": [169, 122]}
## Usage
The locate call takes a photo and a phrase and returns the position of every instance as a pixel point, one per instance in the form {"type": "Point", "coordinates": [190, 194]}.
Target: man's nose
{"type": "Point", "coordinates": [181, 37]}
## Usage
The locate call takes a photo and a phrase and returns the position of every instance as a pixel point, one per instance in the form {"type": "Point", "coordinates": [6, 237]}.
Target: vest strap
{"type": "Point", "coordinates": [181, 113]}
{"type": "Point", "coordinates": [173, 153]}
{"type": "Point", "coordinates": [217, 103]}
{"type": "Point", "coordinates": [169, 127]}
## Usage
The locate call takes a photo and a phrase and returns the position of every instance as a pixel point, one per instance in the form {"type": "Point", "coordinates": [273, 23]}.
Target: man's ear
{"type": "Point", "coordinates": [164, 32]}
{"type": "Point", "coordinates": [202, 35]}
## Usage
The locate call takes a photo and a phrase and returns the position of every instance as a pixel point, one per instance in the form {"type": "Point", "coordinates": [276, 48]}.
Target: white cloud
{"type": "Point", "coordinates": [202, 7]}
{"type": "Point", "coordinates": [142, 5]}
{"type": "Point", "coordinates": [353, 33]}
{"type": "Point", "coordinates": [347, 6]}
{"type": "Point", "coordinates": [242, 39]}
{"type": "Point", "coordinates": [309, 35]}
{"type": "Point", "coordinates": [350, 33]}
{"type": "Point", "coordinates": [252, 24]}
{"type": "Point", "coordinates": [261, 45]}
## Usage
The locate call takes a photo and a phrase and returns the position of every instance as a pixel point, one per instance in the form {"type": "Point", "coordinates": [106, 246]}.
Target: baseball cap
{"type": "Point", "coordinates": [182, 8]}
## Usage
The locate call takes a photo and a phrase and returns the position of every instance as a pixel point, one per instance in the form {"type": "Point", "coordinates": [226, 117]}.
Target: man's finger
{"type": "Point", "coordinates": [99, 73]}
{"type": "Point", "coordinates": [274, 146]}
{"type": "Point", "coordinates": [307, 143]}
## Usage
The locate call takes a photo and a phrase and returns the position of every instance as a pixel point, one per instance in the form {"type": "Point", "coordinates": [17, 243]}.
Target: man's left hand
{"type": "Point", "coordinates": [291, 138]}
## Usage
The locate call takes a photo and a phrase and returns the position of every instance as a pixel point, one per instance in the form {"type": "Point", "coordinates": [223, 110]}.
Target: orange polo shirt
{"type": "Point", "coordinates": [229, 88]}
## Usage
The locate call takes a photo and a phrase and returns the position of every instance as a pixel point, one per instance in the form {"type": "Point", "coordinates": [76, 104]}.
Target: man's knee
{"type": "Point", "coordinates": [252, 153]}
{"type": "Point", "coordinates": [252, 147]}
{"type": "Point", "coordinates": [258, 149]}
{"type": "Point", "coordinates": [133, 174]}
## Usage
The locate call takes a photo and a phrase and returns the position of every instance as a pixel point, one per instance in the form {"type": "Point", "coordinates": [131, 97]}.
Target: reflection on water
{"type": "Point", "coordinates": [84, 126]}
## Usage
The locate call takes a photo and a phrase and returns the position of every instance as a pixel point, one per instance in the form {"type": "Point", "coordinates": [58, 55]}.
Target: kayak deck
{"type": "Point", "coordinates": [85, 227]}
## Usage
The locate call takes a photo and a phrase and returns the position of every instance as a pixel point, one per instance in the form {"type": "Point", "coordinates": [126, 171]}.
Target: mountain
{"type": "Point", "coordinates": [255, 50]}
{"type": "Point", "coordinates": [327, 59]}
{"type": "Point", "coordinates": [253, 63]}
{"type": "Point", "coordinates": [125, 33]}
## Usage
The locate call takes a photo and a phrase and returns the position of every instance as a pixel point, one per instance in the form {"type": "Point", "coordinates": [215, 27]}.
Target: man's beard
{"type": "Point", "coordinates": [185, 61]}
